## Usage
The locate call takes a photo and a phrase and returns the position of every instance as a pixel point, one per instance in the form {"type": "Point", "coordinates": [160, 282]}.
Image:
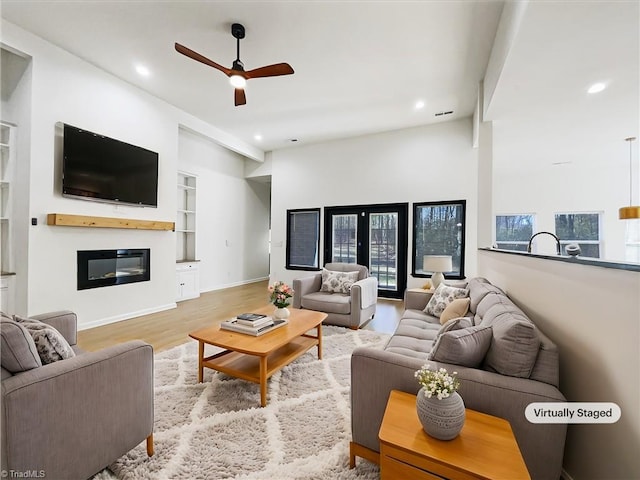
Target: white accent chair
{"type": "Point", "coordinates": [343, 309]}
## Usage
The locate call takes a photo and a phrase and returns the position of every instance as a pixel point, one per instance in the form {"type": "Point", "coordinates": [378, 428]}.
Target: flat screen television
{"type": "Point", "coordinates": [102, 169]}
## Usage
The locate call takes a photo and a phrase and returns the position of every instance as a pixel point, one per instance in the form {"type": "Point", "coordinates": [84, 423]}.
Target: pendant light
{"type": "Point", "coordinates": [632, 211]}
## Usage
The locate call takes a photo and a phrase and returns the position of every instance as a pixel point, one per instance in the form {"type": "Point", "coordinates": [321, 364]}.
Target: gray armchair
{"type": "Point", "coordinates": [344, 309]}
{"type": "Point", "coordinates": [72, 418]}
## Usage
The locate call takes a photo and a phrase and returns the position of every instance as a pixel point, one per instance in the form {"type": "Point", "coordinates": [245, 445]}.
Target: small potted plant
{"type": "Point", "coordinates": [440, 407]}
{"type": "Point", "coordinates": [279, 295]}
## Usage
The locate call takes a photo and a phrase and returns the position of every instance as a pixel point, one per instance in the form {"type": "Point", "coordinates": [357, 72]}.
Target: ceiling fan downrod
{"type": "Point", "coordinates": [237, 30]}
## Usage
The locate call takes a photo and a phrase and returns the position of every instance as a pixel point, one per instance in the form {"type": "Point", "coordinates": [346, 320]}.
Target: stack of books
{"type": "Point", "coordinates": [252, 324]}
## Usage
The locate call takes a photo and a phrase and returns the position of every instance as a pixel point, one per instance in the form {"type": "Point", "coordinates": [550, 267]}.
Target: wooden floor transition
{"type": "Point", "coordinates": [169, 328]}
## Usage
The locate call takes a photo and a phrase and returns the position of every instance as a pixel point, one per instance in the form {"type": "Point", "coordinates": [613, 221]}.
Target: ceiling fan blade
{"type": "Point", "coordinates": [270, 71]}
{"type": "Point", "coordinates": [240, 97]}
{"type": "Point", "coordinates": [202, 59]}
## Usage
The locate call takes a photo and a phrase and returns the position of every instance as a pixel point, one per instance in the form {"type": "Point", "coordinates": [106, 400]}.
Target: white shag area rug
{"type": "Point", "coordinates": [217, 429]}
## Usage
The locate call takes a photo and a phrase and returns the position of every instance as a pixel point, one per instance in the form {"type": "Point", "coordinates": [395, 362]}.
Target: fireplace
{"type": "Point", "coordinates": [103, 268]}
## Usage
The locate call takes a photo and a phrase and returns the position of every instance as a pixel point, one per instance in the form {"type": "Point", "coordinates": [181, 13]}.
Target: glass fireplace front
{"type": "Point", "coordinates": [103, 268]}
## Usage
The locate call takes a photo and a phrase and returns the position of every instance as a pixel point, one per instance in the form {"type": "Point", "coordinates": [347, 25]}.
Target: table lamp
{"type": "Point", "coordinates": [437, 264]}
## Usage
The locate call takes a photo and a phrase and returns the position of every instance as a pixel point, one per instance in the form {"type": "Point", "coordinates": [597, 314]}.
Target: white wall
{"type": "Point", "coordinates": [17, 110]}
{"type": "Point", "coordinates": [232, 218]}
{"type": "Point", "coordinates": [485, 184]}
{"type": "Point", "coordinates": [542, 114]}
{"type": "Point", "coordinates": [99, 104]}
{"type": "Point", "coordinates": [596, 179]}
{"type": "Point", "coordinates": [412, 165]}
{"type": "Point", "coordinates": [66, 89]}
{"type": "Point", "coordinates": [593, 315]}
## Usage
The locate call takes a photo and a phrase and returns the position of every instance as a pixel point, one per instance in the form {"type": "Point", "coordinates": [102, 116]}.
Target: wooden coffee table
{"type": "Point", "coordinates": [256, 359]}
{"type": "Point", "coordinates": [485, 448]}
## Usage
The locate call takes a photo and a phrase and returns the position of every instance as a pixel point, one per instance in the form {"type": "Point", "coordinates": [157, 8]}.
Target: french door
{"type": "Point", "coordinates": [370, 235]}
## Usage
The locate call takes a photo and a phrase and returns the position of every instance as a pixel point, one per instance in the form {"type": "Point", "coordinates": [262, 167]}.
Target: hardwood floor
{"type": "Point", "coordinates": [167, 329]}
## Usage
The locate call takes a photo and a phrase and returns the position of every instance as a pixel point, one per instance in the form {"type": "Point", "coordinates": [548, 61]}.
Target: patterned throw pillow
{"type": "Point", "coordinates": [50, 343]}
{"type": "Point", "coordinates": [442, 297]}
{"type": "Point", "coordinates": [337, 282]}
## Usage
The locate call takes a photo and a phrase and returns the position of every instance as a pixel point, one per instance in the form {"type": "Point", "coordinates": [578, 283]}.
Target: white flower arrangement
{"type": "Point", "coordinates": [437, 382]}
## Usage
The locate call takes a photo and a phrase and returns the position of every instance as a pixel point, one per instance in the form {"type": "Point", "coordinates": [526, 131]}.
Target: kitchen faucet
{"type": "Point", "coordinates": [547, 233]}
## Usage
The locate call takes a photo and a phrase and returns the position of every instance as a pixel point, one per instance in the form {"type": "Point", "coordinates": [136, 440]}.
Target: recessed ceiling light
{"type": "Point", "coordinates": [257, 137]}
{"type": "Point", "coordinates": [419, 105]}
{"type": "Point", "coordinates": [142, 70]}
{"type": "Point", "coordinates": [596, 87]}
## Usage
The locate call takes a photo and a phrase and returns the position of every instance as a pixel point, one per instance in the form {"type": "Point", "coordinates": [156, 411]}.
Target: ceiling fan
{"type": "Point", "coordinates": [237, 74]}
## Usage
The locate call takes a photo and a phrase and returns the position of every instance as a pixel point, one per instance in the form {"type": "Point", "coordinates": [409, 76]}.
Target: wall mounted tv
{"type": "Point", "coordinates": [102, 169]}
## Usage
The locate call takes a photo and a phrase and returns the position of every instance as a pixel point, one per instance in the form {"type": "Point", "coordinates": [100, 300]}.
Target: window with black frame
{"type": "Point", "coordinates": [303, 239]}
{"type": "Point", "coordinates": [439, 229]}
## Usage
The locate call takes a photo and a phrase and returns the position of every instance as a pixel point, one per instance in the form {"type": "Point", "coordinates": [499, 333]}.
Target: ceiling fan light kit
{"type": "Point", "coordinates": [238, 81]}
{"type": "Point", "coordinates": [237, 75]}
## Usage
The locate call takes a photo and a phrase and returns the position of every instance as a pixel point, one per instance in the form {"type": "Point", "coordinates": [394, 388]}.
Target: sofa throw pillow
{"type": "Point", "coordinates": [337, 282]}
{"type": "Point", "coordinates": [442, 297]}
{"type": "Point", "coordinates": [514, 347]}
{"type": "Point", "coordinates": [458, 308]}
{"type": "Point", "coordinates": [455, 324]}
{"type": "Point", "coordinates": [466, 347]}
{"type": "Point", "coordinates": [17, 348]}
{"type": "Point", "coordinates": [50, 343]}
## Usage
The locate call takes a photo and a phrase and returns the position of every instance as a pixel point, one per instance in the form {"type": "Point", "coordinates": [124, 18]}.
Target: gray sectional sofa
{"type": "Point", "coordinates": [520, 366]}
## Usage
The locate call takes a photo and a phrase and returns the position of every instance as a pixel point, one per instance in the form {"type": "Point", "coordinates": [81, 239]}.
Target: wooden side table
{"type": "Point", "coordinates": [485, 448]}
{"type": "Point", "coordinates": [417, 298]}
{"type": "Point", "coordinates": [421, 290]}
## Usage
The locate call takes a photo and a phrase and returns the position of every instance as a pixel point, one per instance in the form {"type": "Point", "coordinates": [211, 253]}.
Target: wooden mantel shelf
{"type": "Point", "coordinates": [62, 219]}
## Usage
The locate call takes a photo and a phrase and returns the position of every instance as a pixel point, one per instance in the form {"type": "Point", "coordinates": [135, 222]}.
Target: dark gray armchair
{"type": "Point", "coordinates": [72, 418]}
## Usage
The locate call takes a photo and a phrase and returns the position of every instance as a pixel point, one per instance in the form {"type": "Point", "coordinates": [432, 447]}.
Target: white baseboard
{"type": "Point", "coordinates": [161, 308]}
{"type": "Point", "coordinates": [126, 316]}
{"type": "Point", "coordinates": [235, 284]}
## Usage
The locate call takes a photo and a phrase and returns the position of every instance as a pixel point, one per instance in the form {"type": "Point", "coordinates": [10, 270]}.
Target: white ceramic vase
{"type": "Point", "coordinates": [281, 313]}
{"type": "Point", "coordinates": [442, 419]}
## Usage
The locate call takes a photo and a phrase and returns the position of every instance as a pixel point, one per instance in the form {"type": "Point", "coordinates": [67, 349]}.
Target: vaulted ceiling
{"type": "Point", "coordinates": [360, 67]}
